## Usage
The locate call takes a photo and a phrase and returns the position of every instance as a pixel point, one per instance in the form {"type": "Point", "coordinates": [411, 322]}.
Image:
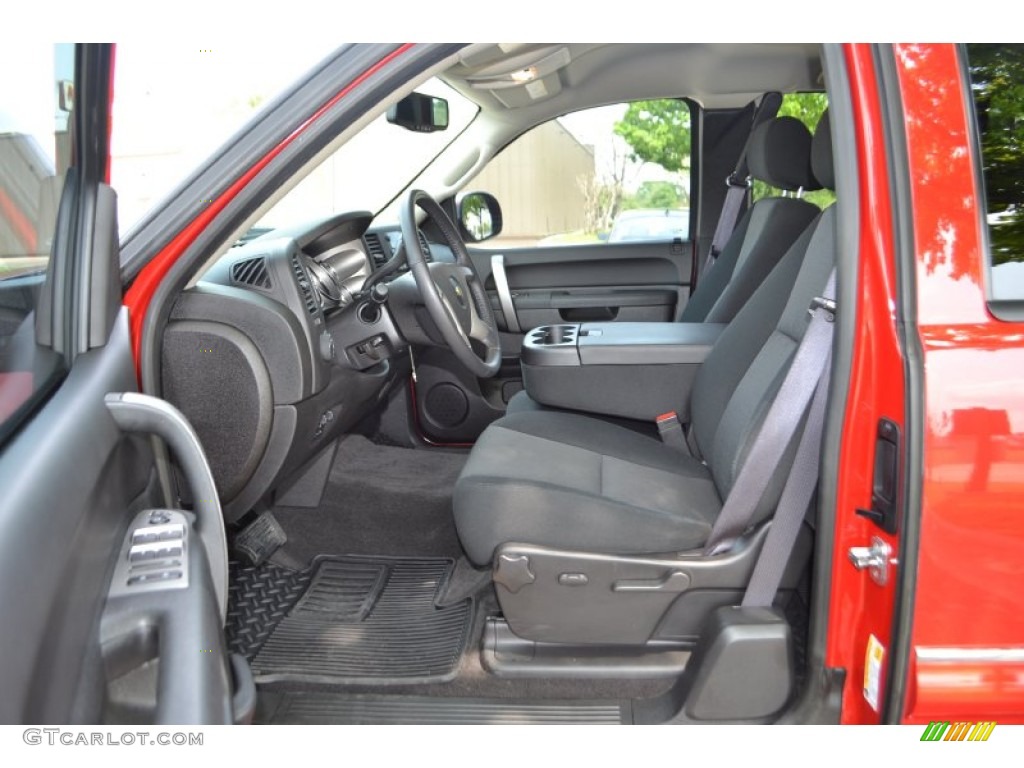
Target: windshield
{"type": "Point", "coordinates": [372, 167]}
{"type": "Point", "coordinates": [176, 103]}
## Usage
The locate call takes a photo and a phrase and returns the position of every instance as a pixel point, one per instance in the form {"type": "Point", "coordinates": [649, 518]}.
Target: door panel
{"type": "Point", "coordinates": [79, 645]}
{"type": "Point", "coordinates": [623, 282]}
{"type": "Point", "coordinates": [70, 480]}
{"type": "Point", "coordinates": [605, 282]}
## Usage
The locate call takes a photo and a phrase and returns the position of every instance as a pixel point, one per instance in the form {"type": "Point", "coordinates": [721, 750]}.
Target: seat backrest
{"type": "Point", "coordinates": [780, 155]}
{"type": "Point", "coordinates": [738, 381]}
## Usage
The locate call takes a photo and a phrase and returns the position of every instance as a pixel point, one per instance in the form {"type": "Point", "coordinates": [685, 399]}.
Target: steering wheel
{"type": "Point", "coordinates": [453, 294]}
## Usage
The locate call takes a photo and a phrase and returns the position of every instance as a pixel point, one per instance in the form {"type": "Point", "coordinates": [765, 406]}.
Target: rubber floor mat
{"type": "Point", "coordinates": [367, 620]}
{"type": "Point", "coordinates": [258, 598]}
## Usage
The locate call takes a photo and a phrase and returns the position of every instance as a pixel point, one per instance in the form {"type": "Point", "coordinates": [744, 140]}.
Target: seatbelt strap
{"type": "Point", "coordinates": [779, 425]}
{"type": "Point", "coordinates": [796, 496]}
{"type": "Point", "coordinates": [738, 181]}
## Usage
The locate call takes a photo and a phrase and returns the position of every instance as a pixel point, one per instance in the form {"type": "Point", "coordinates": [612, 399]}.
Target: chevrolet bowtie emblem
{"type": "Point", "coordinates": [459, 293]}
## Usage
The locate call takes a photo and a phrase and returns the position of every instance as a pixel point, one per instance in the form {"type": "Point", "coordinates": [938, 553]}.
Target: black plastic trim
{"type": "Point", "coordinates": [696, 231]}
{"type": "Point", "coordinates": [70, 480]}
{"type": "Point", "coordinates": [96, 299]}
{"type": "Point", "coordinates": [505, 654]}
{"type": "Point", "coordinates": [93, 68]}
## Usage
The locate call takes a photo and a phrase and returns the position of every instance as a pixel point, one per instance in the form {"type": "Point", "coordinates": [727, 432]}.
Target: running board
{"type": "Point", "coordinates": [505, 654]}
{"type": "Point", "coordinates": [340, 709]}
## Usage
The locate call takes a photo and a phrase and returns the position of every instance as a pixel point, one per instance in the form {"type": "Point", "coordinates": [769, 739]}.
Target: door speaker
{"type": "Point", "coordinates": [446, 405]}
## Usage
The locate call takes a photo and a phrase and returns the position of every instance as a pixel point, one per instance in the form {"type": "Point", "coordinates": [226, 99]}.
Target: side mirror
{"type": "Point", "coordinates": [419, 112]}
{"type": "Point", "coordinates": [479, 217]}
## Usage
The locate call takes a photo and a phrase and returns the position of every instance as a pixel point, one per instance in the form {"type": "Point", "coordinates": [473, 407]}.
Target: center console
{"type": "Point", "coordinates": [632, 370]}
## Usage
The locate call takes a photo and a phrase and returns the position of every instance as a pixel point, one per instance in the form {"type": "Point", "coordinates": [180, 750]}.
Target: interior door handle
{"type": "Point", "coordinates": [508, 309]}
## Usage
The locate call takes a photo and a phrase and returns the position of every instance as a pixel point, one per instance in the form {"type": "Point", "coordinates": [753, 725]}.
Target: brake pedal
{"type": "Point", "coordinates": [260, 539]}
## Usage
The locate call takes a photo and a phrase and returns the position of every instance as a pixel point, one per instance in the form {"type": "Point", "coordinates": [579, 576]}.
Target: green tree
{"type": "Point", "coordinates": [657, 194]}
{"type": "Point", "coordinates": [657, 131]}
{"type": "Point", "coordinates": [997, 79]}
{"type": "Point", "coordinates": [805, 107]}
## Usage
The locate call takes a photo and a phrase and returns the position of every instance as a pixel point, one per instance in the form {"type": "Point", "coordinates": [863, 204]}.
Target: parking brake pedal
{"type": "Point", "coordinates": [260, 539]}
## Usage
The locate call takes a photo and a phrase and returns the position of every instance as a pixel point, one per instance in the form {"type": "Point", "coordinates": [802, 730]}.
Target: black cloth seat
{"type": "Point", "coordinates": [779, 155]}
{"type": "Point", "coordinates": [571, 481]}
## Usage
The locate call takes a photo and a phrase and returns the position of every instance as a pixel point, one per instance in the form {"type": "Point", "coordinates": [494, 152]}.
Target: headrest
{"type": "Point", "coordinates": [821, 154]}
{"type": "Point", "coordinates": [780, 154]}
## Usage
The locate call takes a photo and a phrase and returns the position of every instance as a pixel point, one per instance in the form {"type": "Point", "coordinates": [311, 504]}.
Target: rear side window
{"type": "Point", "coordinates": [997, 84]}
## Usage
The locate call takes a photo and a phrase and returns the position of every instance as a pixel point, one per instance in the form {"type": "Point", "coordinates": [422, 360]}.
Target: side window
{"type": "Point", "coordinates": [613, 174]}
{"type": "Point", "coordinates": [807, 107]}
{"type": "Point", "coordinates": [997, 84]}
{"type": "Point", "coordinates": [35, 149]}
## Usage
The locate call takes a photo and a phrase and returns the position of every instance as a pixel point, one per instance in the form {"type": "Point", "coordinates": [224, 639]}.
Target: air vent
{"type": "Point", "coordinates": [302, 279]}
{"type": "Point", "coordinates": [375, 247]}
{"type": "Point", "coordinates": [251, 272]}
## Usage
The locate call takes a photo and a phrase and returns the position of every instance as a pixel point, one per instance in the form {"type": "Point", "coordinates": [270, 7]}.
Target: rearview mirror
{"type": "Point", "coordinates": [419, 112]}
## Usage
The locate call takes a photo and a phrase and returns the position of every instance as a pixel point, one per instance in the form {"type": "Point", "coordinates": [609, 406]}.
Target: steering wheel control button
{"type": "Point", "coordinates": [154, 555]}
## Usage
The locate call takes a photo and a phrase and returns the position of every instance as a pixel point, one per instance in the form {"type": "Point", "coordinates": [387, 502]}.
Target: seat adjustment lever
{"type": "Point", "coordinates": [674, 581]}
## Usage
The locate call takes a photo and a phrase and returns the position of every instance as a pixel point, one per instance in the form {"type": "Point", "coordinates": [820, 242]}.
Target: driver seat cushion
{"type": "Point", "coordinates": [614, 490]}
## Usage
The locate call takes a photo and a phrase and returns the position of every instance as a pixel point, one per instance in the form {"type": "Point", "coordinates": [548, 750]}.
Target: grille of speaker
{"type": "Point", "coordinates": [446, 405]}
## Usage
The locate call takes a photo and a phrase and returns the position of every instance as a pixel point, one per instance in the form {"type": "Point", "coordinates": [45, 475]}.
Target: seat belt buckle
{"type": "Point", "coordinates": [820, 302]}
{"type": "Point", "coordinates": [671, 431]}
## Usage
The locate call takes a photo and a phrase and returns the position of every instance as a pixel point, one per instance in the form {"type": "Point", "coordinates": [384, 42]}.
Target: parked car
{"type": "Point", "coordinates": [650, 224]}
{"type": "Point", "coordinates": [292, 480]}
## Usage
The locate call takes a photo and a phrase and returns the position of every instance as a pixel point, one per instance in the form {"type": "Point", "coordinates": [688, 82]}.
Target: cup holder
{"type": "Point", "coordinates": [554, 335]}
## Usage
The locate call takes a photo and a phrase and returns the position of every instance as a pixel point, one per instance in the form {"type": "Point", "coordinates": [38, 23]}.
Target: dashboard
{"type": "Point", "coordinates": [286, 342]}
